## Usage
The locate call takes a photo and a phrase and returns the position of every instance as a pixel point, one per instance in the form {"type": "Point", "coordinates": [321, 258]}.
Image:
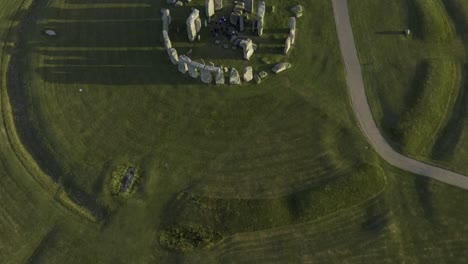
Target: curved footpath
{"type": "Point", "coordinates": [363, 112]}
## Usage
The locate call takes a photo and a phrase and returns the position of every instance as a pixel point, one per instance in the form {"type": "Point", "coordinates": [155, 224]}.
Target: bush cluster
{"type": "Point", "coordinates": [117, 179]}
{"type": "Point", "coordinates": [188, 237]}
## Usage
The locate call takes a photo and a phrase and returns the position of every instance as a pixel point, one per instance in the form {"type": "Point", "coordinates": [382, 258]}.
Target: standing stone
{"type": "Point", "coordinates": [292, 36]}
{"type": "Point", "coordinates": [167, 40]}
{"type": "Point", "coordinates": [249, 6]}
{"type": "Point", "coordinates": [292, 23]}
{"type": "Point", "coordinates": [193, 70]}
{"type": "Point", "coordinates": [192, 27]}
{"type": "Point", "coordinates": [210, 8]}
{"type": "Point", "coordinates": [183, 67]}
{"type": "Point", "coordinates": [166, 18]}
{"type": "Point", "coordinates": [173, 55]}
{"type": "Point", "coordinates": [248, 48]}
{"type": "Point", "coordinates": [218, 4]}
{"type": "Point", "coordinates": [198, 24]}
{"type": "Point", "coordinates": [234, 77]}
{"type": "Point", "coordinates": [206, 76]}
{"type": "Point", "coordinates": [241, 24]}
{"type": "Point", "coordinates": [219, 78]}
{"type": "Point", "coordinates": [297, 10]}
{"type": "Point", "coordinates": [260, 17]}
{"type": "Point", "coordinates": [248, 74]}
{"type": "Point", "coordinates": [287, 45]}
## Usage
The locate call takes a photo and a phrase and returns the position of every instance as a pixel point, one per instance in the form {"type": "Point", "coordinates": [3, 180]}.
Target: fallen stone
{"type": "Point", "coordinates": [217, 42]}
{"type": "Point", "coordinates": [297, 10]}
{"type": "Point", "coordinates": [280, 67]}
{"type": "Point", "coordinates": [226, 46]}
{"type": "Point", "coordinates": [178, 4]}
{"type": "Point", "coordinates": [263, 74]}
{"type": "Point", "coordinates": [234, 77]}
{"type": "Point", "coordinates": [248, 74]}
{"type": "Point", "coordinates": [51, 33]}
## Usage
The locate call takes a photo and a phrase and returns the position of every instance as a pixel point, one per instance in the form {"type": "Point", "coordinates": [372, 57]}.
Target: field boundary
{"type": "Point", "coordinates": [25, 158]}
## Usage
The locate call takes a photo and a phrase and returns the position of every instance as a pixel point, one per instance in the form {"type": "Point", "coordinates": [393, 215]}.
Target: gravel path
{"type": "Point", "coordinates": [363, 112]}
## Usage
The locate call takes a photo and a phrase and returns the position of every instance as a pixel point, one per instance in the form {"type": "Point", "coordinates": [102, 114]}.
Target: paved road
{"type": "Point", "coordinates": [363, 112]}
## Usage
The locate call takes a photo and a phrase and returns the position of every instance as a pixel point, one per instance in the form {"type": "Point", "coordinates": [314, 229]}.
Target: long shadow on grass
{"type": "Point", "coordinates": [390, 32]}
{"type": "Point", "coordinates": [20, 102]}
{"type": "Point", "coordinates": [111, 67]}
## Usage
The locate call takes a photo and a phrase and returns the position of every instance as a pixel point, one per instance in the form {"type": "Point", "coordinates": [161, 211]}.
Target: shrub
{"type": "Point", "coordinates": [188, 237]}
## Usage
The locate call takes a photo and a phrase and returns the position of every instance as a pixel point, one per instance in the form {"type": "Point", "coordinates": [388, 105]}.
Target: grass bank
{"type": "Point", "coordinates": [423, 123]}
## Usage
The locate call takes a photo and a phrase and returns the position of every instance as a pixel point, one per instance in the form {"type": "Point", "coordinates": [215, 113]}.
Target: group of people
{"type": "Point", "coordinates": [223, 28]}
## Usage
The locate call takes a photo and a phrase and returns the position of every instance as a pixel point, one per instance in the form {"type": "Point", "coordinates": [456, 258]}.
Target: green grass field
{"type": "Point", "coordinates": [270, 173]}
{"type": "Point", "coordinates": [403, 75]}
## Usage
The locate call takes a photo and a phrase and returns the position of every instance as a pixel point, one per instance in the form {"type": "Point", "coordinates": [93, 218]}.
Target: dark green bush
{"type": "Point", "coordinates": [188, 237]}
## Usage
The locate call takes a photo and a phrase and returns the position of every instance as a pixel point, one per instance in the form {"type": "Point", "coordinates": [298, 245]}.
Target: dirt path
{"type": "Point", "coordinates": [363, 112]}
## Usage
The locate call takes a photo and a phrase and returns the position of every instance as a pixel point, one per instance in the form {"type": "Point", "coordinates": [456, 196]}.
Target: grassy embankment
{"type": "Point", "coordinates": [216, 145]}
{"type": "Point", "coordinates": [12, 62]}
{"type": "Point", "coordinates": [416, 84]}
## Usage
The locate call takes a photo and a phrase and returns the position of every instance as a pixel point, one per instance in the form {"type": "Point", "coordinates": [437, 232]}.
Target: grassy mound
{"type": "Point", "coordinates": [435, 23]}
{"type": "Point", "coordinates": [458, 11]}
{"type": "Point", "coordinates": [230, 216]}
{"type": "Point", "coordinates": [425, 120]}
